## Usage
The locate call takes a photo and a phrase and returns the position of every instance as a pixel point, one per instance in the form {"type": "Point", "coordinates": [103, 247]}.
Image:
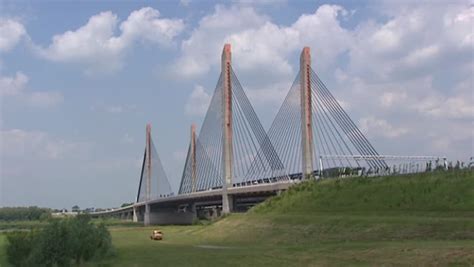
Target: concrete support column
{"type": "Point", "coordinates": [306, 113]}
{"type": "Point", "coordinates": [227, 125]}
{"type": "Point", "coordinates": [147, 217]}
{"type": "Point", "coordinates": [135, 214]}
{"type": "Point", "coordinates": [193, 157]}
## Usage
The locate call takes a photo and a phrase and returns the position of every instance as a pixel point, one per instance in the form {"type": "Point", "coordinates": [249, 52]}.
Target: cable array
{"type": "Point", "coordinates": [254, 158]}
{"type": "Point", "coordinates": [334, 133]}
{"type": "Point", "coordinates": [159, 186]}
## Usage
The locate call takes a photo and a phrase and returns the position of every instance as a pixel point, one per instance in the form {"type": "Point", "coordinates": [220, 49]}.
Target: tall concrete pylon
{"type": "Point", "coordinates": [306, 113]}
{"type": "Point", "coordinates": [193, 158]}
{"type": "Point", "coordinates": [227, 127]}
{"type": "Point", "coordinates": [148, 177]}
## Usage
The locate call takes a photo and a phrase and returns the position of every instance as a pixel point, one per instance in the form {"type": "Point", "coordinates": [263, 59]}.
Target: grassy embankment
{"type": "Point", "coordinates": [425, 219]}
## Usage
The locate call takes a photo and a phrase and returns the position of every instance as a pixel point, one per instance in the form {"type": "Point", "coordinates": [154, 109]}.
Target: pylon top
{"type": "Point", "coordinates": [226, 55]}
{"type": "Point", "coordinates": [306, 55]}
{"type": "Point", "coordinates": [227, 48]}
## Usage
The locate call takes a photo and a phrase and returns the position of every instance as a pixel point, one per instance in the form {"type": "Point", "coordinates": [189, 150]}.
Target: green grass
{"type": "Point", "coordinates": [439, 191]}
{"type": "Point", "coordinates": [20, 225]}
{"type": "Point", "coordinates": [425, 220]}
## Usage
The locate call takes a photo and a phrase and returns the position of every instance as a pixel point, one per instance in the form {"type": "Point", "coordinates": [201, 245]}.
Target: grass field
{"type": "Point", "coordinates": [425, 220]}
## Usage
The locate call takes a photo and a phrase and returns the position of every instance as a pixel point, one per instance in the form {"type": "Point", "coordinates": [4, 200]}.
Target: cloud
{"type": "Point", "coordinates": [96, 46]}
{"type": "Point", "coordinates": [379, 127]}
{"type": "Point", "coordinates": [114, 109]}
{"type": "Point", "coordinates": [22, 144]}
{"type": "Point", "coordinates": [259, 44]}
{"type": "Point", "coordinates": [11, 32]}
{"type": "Point", "coordinates": [185, 3]}
{"type": "Point", "coordinates": [44, 99]}
{"type": "Point", "coordinates": [415, 41]}
{"type": "Point", "coordinates": [198, 52]}
{"type": "Point", "coordinates": [15, 86]}
{"type": "Point", "coordinates": [198, 102]}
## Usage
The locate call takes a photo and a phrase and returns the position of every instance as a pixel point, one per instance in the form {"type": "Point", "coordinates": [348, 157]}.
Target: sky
{"type": "Point", "coordinates": [79, 80]}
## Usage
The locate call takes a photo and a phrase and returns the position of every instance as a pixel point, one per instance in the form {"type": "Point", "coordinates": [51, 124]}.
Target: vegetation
{"type": "Point", "coordinates": [451, 191]}
{"type": "Point", "coordinates": [422, 219]}
{"type": "Point", "coordinates": [24, 213]}
{"type": "Point", "coordinates": [351, 221]}
{"type": "Point", "coordinates": [59, 243]}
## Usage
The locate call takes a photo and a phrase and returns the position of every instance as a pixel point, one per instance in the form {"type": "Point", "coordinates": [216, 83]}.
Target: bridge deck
{"type": "Point", "coordinates": [216, 194]}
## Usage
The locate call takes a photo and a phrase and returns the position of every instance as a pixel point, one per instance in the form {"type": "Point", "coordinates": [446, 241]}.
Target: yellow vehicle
{"type": "Point", "coordinates": [156, 235]}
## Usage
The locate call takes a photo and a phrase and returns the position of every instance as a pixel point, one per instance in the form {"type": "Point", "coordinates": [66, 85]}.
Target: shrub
{"type": "Point", "coordinates": [60, 243]}
{"type": "Point", "coordinates": [20, 245]}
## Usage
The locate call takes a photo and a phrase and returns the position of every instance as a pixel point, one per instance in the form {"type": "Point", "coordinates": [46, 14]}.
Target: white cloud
{"type": "Point", "coordinates": [17, 143]}
{"type": "Point", "coordinates": [374, 127]}
{"type": "Point", "coordinates": [259, 44]}
{"type": "Point", "coordinates": [453, 107]}
{"type": "Point", "coordinates": [44, 99]}
{"type": "Point", "coordinates": [414, 70]}
{"type": "Point", "coordinates": [390, 99]}
{"type": "Point", "coordinates": [11, 32]}
{"type": "Point", "coordinates": [15, 86]}
{"type": "Point", "coordinates": [414, 41]}
{"type": "Point", "coordinates": [185, 3]}
{"type": "Point", "coordinates": [198, 52]}
{"type": "Point", "coordinates": [96, 46]}
{"type": "Point", "coordinates": [198, 102]}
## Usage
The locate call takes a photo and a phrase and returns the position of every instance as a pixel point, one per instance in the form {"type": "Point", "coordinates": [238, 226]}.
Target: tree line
{"type": "Point", "coordinates": [24, 213]}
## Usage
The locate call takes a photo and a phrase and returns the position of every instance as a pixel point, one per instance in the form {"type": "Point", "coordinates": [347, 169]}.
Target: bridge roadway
{"type": "Point", "coordinates": [184, 208]}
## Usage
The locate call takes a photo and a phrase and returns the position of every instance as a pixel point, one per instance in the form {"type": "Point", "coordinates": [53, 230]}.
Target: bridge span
{"type": "Point", "coordinates": [233, 163]}
{"type": "Point", "coordinates": [184, 208]}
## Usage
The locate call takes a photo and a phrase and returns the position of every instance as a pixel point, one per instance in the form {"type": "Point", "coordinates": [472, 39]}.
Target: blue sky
{"type": "Point", "coordinates": [79, 81]}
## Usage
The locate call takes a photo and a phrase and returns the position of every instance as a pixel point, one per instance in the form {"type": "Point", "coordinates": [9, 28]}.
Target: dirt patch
{"type": "Point", "coordinates": [214, 247]}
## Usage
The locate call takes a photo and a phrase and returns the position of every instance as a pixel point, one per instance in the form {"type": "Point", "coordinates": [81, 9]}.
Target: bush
{"type": "Point", "coordinates": [60, 243]}
{"type": "Point", "coordinates": [24, 213]}
{"type": "Point", "coordinates": [20, 245]}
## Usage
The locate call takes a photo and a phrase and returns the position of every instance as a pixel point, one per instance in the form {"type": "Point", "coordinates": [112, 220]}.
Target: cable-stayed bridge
{"type": "Point", "coordinates": [234, 163]}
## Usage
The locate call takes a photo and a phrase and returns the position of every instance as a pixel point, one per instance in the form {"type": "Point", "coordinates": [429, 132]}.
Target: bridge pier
{"type": "Point", "coordinates": [227, 203]}
{"type": "Point", "coordinates": [135, 214]}
{"type": "Point", "coordinates": [147, 215]}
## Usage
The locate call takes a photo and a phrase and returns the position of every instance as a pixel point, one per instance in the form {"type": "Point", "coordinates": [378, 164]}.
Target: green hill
{"type": "Point", "coordinates": [412, 219]}
{"type": "Point", "coordinates": [438, 191]}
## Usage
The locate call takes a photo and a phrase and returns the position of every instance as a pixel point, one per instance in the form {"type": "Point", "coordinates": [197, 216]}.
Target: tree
{"type": "Point", "coordinates": [75, 208]}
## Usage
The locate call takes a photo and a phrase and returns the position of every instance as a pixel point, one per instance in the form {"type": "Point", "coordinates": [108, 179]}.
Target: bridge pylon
{"type": "Point", "coordinates": [227, 128]}
{"type": "Point", "coordinates": [148, 176]}
{"type": "Point", "coordinates": [306, 113]}
{"type": "Point", "coordinates": [193, 157]}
